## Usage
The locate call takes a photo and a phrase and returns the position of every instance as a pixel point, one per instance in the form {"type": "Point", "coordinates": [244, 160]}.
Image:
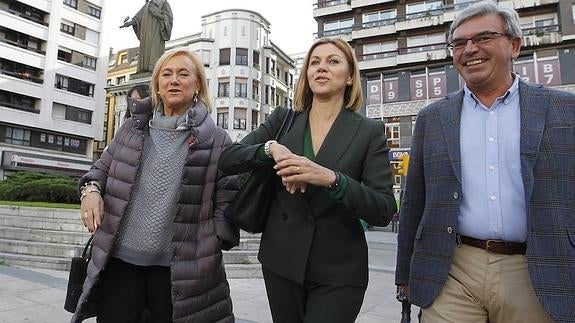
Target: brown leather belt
{"type": "Point", "coordinates": [496, 246]}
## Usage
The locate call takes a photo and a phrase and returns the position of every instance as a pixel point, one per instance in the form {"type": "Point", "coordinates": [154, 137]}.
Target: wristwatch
{"type": "Point", "coordinates": [267, 145]}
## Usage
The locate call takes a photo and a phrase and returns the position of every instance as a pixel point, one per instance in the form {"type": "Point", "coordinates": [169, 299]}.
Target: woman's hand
{"type": "Point", "coordinates": [92, 211]}
{"type": "Point", "coordinates": [296, 170]}
{"type": "Point", "coordinates": [280, 152]}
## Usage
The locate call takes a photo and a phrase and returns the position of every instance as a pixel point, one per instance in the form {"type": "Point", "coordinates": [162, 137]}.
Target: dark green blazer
{"type": "Point", "coordinates": [312, 236]}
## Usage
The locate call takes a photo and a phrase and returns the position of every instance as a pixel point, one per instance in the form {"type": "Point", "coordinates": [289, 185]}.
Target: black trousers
{"type": "Point", "coordinates": [130, 292]}
{"type": "Point", "coordinates": [312, 302]}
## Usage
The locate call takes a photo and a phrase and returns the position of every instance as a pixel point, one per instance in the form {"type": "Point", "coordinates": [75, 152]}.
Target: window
{"type": "Point", "coordinates": [94, 12]}
{"type": "Point", "coordinates": [74, 85]}
{"type": "Point", "coordinates": [18, 101]}
{"type": "Point", "coordinates": [225, 56]}
{"type": "Point", "coordinates": [256, 59]}
{"type": "Point", "coordinates": [241, 56]}
{"type": "Point", "coordinates": [16, 136]}
{"type": "Point", "coordinates": [224, 89]}
{"type": "Point", "coordinates": [255, 118]}
{"type": "Point", "coordinates": [240, 118]}
{"type": "Point", "coordinates": [71, 3]}
{"type": "Point", "coordinates": [423, 9]}
{"type": "Point", "coordinates": [337, 27]}
{"type": "Point", "coordinates": [123, 58]}
{"type": "Point", "coordinates": [379, 50]}
{"type": "Point", "coordinates": [67, 28]}
{"type": "Point", "coordinates": [120, 79]}
{"type": "Point", "coordinates": [425, 43]}
{"type": "Point", "coordinates": [90, 62]}
{"type": "Point", "coordinates": [65, 55]}
{"type": "Point", "coordinates": [243, 30]}
{"type": "Point", "coordinates": [241, 90]}
{"type": "Point", "coordinates": [256, 90]}
{"type": "Point", "coordinates": [392, 132]}
{"type": "Point", "coordinates": [379, 18]}
{"type": "Point", "coordinates": [222, 116]}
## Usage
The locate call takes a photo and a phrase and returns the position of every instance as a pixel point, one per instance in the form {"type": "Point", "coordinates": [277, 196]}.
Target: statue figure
{"type": "Point", "coordinates": [153, 27]}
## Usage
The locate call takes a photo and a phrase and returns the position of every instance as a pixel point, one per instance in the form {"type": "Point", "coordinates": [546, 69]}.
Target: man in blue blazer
{"type": "Point", "coordinates": [487, 227]}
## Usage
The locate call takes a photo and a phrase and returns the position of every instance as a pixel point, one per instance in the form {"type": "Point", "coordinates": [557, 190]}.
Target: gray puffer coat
{"type": "Point", "coordinates": [200, 291]}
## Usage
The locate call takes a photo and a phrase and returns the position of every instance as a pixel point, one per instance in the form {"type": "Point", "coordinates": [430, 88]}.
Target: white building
{"type": "Point", "coordinates": [247, 74]}
{"type": "Point", "coordinates": [52, 74]}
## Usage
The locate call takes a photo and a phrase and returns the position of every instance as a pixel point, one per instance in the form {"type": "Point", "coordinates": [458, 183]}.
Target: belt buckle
{"type": "Point", "coordinates": [488, 244]}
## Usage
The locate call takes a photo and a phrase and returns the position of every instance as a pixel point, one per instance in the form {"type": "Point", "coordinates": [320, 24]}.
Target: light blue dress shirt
{"type": "Point", "coordinates": [493, 202]}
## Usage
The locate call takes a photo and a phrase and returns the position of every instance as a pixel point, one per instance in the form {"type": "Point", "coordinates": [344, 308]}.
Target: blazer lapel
{"type": "Point", "coordinates": [294, 138]}
{"type": "Point", "coordinates": [450, 116]}
{"type": "Point", "coordinates": [534, 103]}
{"type": "Point", "coordinates": [338, 139]}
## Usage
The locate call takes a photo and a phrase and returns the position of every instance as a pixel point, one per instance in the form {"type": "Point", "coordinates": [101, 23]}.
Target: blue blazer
{"type": "Point", "coordinates": [430, 206]}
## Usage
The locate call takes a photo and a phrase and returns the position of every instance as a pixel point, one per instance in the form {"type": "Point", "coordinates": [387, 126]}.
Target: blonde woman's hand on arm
{"type": "Point", "coordinates": [92, 210]}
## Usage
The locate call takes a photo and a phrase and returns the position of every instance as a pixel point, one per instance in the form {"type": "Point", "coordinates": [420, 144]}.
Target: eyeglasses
{"type": "Point", "coordinates": [479, 39]}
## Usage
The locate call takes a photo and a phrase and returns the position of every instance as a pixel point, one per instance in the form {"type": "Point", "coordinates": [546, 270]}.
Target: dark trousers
{"type": "Point", "coordinates": [129, 291]}
{"type": "Point", "coordinates": [312, 302]}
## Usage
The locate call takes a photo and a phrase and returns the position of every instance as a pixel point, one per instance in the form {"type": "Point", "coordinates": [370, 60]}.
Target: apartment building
{"type": "Point", "coordinates": [248, 75]}
{"type": "Point", "coordinates": [52, 74]}
{"type": "Point", "coordinates": [405, 63]}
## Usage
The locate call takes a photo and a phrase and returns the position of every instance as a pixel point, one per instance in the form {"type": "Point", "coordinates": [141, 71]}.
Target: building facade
{"type": "Point", "coordinates": [52, 76]}
{"type": "Point", "coordinates": [248, 75]}
{"type": "Point", "coordinates": [405, 62]}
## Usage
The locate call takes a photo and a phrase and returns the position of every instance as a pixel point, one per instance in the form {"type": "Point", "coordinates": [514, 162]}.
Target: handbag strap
{"type": "Point", "coordinates": [87, 253]}
{"type": "Point", "coordinates": [286, 124]}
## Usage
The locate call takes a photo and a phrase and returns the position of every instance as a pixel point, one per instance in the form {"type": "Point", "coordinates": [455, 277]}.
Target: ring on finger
{"type": "Point", "coordinates": [297, 169]}
{"type": "Point", "coordinates": [85, 216]}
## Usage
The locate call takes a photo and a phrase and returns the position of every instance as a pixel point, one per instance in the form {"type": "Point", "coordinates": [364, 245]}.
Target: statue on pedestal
{"type": "Point", "coordinates": [153, 27]}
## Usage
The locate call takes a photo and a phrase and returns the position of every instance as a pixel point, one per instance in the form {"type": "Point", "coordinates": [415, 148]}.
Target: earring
{"type": "Point", "coordinates": [196, 97]}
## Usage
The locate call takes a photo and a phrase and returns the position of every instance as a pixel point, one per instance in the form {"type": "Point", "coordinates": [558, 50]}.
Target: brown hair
{"type": "Point", "coordinates": [353, 97]}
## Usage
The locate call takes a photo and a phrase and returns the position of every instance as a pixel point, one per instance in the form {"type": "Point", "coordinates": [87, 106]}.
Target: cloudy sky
{"type": "Point", "coordinates": [292, 23]}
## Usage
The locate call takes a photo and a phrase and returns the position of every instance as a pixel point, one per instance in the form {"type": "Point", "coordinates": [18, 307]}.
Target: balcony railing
{"type": "Point", "coordinates": [23, 76]}
{"type": "Point", "coordinates": [386, 54]}
{"type": "Point", "coordinates": [19, 107]}
{"type": "Point", "coordinates": [378, 23]}
{"type": "Point", "coordinates": [331, 3]}
{"type": "Point", "coordinates": [25, 16]}
{"type": "Point", "coordinates": [25, 46]}
{"type": "Point", "coordinates": [334, 32]}
{"type": "Point", "coordinates": [539, 31]}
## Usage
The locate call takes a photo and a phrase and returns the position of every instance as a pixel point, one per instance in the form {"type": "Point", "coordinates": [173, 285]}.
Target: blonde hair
{"type": "Point", "coordinates": [199, 70]}
{"type": "Point", "coordinates": [353, 97]}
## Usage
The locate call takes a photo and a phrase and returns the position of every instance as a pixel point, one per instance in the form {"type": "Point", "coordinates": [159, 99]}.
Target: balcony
{"type": "Point", "coordinates": [375, 28]}
{"type": "Point", "coordinates": [365, 3]}
{"type": "Point", "coordinates": [18, 102]}
{"type": "Point", "coordinates": [418, 54]}
{"type": "Point", "coordinates": [378, 60]}
{"type": "Point", "coordinates": [518, 4]}
{"type": "Point", "coordinates": [343, 33]}
{"type": "Point", "coordinates": [21, 40]}
{"type": "Point", "coordinates": [421, 19]}
{"type": "Point", "coordinates": [330, 7]}
{"type": "Point", "coordinates": [540, 36]}
{"type": "Point", "coordinates": [27, 12]}
{"type": "Point", "coordinates": [21, 71]}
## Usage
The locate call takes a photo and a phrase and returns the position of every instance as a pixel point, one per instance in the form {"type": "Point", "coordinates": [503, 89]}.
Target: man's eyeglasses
{"type": "Point", "coordinates": [479, 39]}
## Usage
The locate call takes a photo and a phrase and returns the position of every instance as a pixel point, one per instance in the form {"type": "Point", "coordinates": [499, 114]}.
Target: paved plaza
{"type": "Point", "coordinates": [37, 295]}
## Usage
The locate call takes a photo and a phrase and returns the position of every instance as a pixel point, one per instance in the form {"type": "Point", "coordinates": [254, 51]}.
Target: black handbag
{"type": "Point", "coordinates": [249, 209]}
{"type": "Point", "coordinates": [77, 276]}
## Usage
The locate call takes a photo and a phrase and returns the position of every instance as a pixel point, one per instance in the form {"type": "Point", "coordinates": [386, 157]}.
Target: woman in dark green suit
{"type": "Point", "coordinates": [333, 170]}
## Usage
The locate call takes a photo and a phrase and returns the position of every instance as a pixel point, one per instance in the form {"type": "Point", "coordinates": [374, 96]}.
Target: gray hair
{"type": "Point", "coordinates": [509, 16]}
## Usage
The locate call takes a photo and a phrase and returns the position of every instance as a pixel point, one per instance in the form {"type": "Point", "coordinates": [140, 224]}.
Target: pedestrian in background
{"type": "Point", "coordinates": [333, 170]}
{"type": "Point", "coordinates": [487, 226]}
{"type": "Point", "coordinates": [136, 93]}
{"type": "Point", "coordinates": [154, 202]}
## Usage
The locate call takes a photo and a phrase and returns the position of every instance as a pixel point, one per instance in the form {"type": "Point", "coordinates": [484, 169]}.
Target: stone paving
{"type": "Point", "coordinates": [37, 295]}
